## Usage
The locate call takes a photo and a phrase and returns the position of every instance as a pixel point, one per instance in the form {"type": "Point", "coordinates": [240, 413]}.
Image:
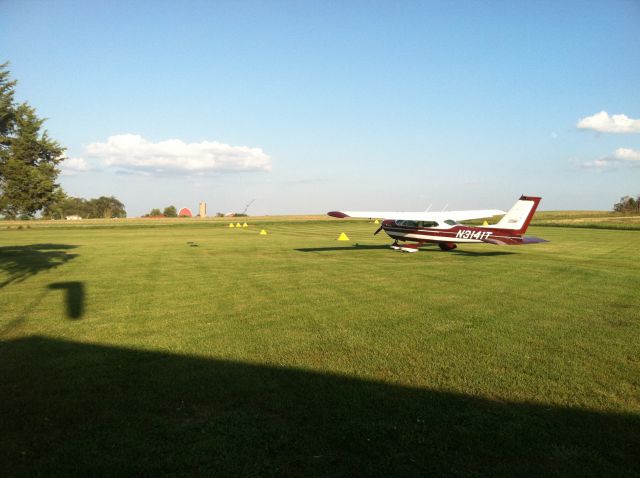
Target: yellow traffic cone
{"type": "Point", "coordinates": [231, 224]}
{"type": "Point", "coordinates": [238, 224]}
{"type": "Point", "coordinates": [245, 225]}
{"type": "Point", "coordinates": [485, 223]}
{"type": "Point", "coordinates": [343, 237]}
{"type": "Point", "coordinates": [263, 233]}
{"type": "Point", "coordinates": [376, 222]}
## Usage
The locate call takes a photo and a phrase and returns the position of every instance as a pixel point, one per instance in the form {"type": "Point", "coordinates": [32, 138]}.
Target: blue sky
{"type": "Point", "coordinates": [314, 106]}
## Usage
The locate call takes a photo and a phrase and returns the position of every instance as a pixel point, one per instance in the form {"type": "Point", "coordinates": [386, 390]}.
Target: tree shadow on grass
{"type": "Point", "coordinates": [21, 262]}
{"type": "Point", "coordinates": [81, 409]}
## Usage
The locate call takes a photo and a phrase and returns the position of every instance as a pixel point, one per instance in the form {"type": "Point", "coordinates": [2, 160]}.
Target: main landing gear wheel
{"type": "Point", "coordinates": [446, 246]}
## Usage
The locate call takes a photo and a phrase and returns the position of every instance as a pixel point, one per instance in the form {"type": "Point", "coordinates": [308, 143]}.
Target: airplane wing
{"type": "Point", "coordinates": [467, 215]}
{"type": "Point", "coordinates": [421, 216]}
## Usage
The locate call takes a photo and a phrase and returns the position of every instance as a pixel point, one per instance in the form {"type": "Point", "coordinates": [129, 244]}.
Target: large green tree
{"type": "Point", "coordinates": [7, 113]}
{"type": "Point", "coordinates": [170, 211]}
{"type": "Point", "coordinates": [97, 208]}
{"type": "Point", "coordinates": [106, 207]}
{"type": "Point", "coordinates": [28, 157]}
{"type": "Point", "coordinates": [628, 205]}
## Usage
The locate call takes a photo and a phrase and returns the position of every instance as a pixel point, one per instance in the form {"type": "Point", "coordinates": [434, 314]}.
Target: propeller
{"type": "Point", "coordinates": [379, 229]}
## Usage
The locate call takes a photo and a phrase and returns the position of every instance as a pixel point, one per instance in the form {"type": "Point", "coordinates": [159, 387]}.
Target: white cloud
{"type": "Point", "coordinates": [598, 164]}
{"type": "Point", "coordinates": [621, 157]}
{"type": "Point", "coordinates": [71, 166]}
{"type": "Point", "coordinates": [604, 123]}
{"type": "Point", "coordinates": [134, 153]}
{"type": "Point", "coordinates": [627, 154]}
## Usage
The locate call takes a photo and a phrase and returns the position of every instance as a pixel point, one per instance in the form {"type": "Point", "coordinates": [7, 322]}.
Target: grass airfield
{"type": "Point", "coordinates": [187, 347]}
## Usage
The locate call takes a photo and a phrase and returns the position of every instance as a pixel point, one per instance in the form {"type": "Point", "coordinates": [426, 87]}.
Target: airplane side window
{"type": "Point", "coordinates": [410, 224]}
{"type": "Point", "coordinates": [451, 222]}
{"type": "Point", "coordinates": [429, 224]}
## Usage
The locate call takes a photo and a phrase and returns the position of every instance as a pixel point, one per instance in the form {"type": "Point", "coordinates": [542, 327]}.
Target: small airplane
{"type": "Point", "coordinates": [444, 228]}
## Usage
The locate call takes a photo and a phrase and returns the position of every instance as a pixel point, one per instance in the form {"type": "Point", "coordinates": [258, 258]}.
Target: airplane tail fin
{"type": "Point", "coordinates": [520, 215]}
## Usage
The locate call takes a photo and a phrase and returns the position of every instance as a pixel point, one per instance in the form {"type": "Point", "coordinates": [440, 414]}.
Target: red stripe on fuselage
{"type": "Point", "coordinates": [455, 234]}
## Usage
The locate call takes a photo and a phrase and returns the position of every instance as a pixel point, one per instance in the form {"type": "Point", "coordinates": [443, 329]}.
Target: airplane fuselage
{"type": "Point", "coordinates": [452, 234]}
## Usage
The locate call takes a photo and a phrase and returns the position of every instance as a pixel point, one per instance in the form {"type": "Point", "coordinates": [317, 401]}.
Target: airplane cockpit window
{"type": "Point", "coordinates": [428, 224]}
{"type": "Point", "coordinates": [451, 222]}
{"type": "Point", "coordinates": [407, 223]}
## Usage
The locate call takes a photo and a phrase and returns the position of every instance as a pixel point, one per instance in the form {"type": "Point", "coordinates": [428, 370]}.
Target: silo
{"type": "Point", "coordinates": [203, 209]}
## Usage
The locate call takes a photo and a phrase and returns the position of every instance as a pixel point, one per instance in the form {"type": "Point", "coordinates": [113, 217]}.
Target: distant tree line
{"type": "Point", "coordinates": [628, 205]}
{"type": "Point", "coordinates": [102, 207]}
{"type": "Point", "coordinates": [169, 211]}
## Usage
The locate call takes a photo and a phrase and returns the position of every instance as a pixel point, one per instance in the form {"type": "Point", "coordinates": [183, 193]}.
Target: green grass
{"type": "Point", "coordinates": [581, 219]}
{"type": "Point", "coordinates": [186, 347]}
{"type": "Point", "coordinates": [588, 220]}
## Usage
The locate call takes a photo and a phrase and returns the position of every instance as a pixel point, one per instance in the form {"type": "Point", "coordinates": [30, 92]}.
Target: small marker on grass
{"type": "Point", "coordinates": [263, 233]}
{"type": "Point", "coordinates": [245, 225]}
{"type": "Point", "coordinates": [231, 224]}
{"type": "Point", "coordinates": [238, 224]}
{"type": "Point", "coordinates": [343, 237]}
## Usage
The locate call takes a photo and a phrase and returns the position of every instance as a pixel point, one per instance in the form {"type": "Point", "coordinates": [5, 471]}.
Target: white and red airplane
{"type": "Point", "coordinates": [444, 228]}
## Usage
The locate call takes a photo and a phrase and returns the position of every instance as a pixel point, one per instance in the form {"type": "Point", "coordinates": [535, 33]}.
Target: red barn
{"type": "Point", "coordinates": [185, 212]}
